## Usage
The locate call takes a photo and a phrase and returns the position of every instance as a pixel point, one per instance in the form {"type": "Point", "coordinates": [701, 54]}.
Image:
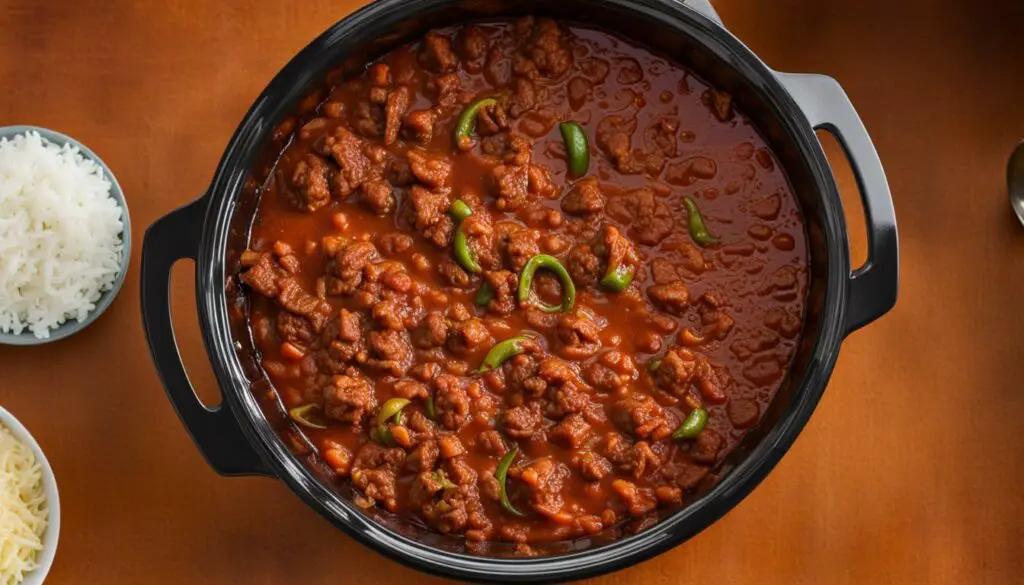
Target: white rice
{"type": "Point", "coordinates": [60, 235]}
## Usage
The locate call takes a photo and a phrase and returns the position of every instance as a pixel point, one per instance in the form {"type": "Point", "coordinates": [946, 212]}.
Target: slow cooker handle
{"type": "Point", "coordinates": [214, 430]}
{"type": "Point", "coordinates": [872, 288]}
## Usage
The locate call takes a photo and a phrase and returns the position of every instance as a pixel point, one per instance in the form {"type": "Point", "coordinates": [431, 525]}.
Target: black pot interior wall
{"type": "Point", "coordinates": [630, 19]}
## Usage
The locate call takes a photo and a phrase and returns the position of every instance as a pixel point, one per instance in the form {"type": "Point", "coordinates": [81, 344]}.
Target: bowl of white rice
{"type": "Point", "coordinates": [29, 506]}
{"type": "Point", "coordinates": [65, 236]}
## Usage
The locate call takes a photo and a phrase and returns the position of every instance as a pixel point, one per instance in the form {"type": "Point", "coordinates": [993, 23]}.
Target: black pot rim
{"type": "Point", "coordinates": [214, 319]}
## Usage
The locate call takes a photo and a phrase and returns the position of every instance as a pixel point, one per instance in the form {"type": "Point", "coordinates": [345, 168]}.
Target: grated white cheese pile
{"type": "Point", "coordinates": [24, 511]}
{"type": "Point", "coordinates": [60, 235]}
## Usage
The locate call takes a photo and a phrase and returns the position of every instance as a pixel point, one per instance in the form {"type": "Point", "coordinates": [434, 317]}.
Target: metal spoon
{"type": "Point", "coordinates": [1015, 181]}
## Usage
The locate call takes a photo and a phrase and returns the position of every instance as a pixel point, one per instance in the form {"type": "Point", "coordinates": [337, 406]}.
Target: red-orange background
{"type": "Point", "coordinates": [911, 470]}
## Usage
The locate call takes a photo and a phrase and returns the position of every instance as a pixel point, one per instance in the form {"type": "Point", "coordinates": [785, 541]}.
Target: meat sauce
{"type": "Point", "coordinates": [356, 297]}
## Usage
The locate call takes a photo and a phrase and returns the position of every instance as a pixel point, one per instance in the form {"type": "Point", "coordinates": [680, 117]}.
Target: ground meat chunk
{"type": "Point", "coordinates": [395, 109]}
{"type": "Point", "coordinates": [513, 186]}
{"type": "Point", "coordinates": [612, 371]}
{"type": "Point", "coordinates": [389, 351]}
{"type": "Point", "coordinates": [450, 446]}
{"type": "Point", "coordinates": [390, 315]}
{"type": "Point", "coordinates": [492, 443]}
{"type": "Point", "coordinates": [411, 390]}
{"type": "Point", "coordinates": [673, 298]}
{"type": "Point", "coordinates": [429, 207]}
{"type": "Point", "coordinates": [520, 247]}
{"type": "Point", "coordinates": [294, 329]}
{"type": "Point", "coordinates": [590, 465]}
{"type": "Point", "coordinates": [547, 46]}
{"type": "Point", "coordinates": [512, 148]}
{"type": "Point", "coordinates": [534, 378]}
{"type": "Point", "coordinates": [419, 125]}
{"type": "Point", "coordinates": [451, 402]}
{"type": "Point", "coordinates": [398, 172]}
{"type": "Point", "coordinates": [366, 117]}
{"type": "Point", "coordinates": [425, 485]}
{"type": "Point", "coordinates": [584, 198]}
{"type": "Point", "coordinates": [347, 151]}
{"type": "Point", "coordinates": [349, 398]}
{"type": "Point", "coordinates": [441, 233]}
{"type": "Point", "coordinates": [521, 376]}
{"type": "Point", "coordinates": [639, 501]}
{"type": "Point", "coordinates": [378, 196]}
{"type": "Point", "coordinates": [438, 53]}
{"type": "Point", "coordinates": [663, 134]}
{"type": "Point", "coordinates": [643, 417]}
{"type": "Point", "coordinates": [572, 432]}
{"type": "Point", "coordinates": [677, 369]}
{"type": "Point", "coordinates": [465, 336]}
{"type": "Point", "coordinates": [687, 172]}
{"type": "Point", "coordinates": [713, 381]}
{"type": "Point", "coordinates": [309, 188]}
{"type": "Point", "coordinates": [630, 71]}
{"type": "Point", "coordinates": [651, 219]}
{"type": "Point", "coordinates": [570, 399]}
{"type": "Point", "coordinates": [524, 97]}
{"type": "Point", "coordinates": [540, 183]}
{"type": "Point", "coordinates": [374, 472]}
{"type": "Point", "coordinates": [545, 479]}
{"type": "Point", "coordinates": [432, 332]}
{"type": "Point", "coordinates": [460, 471]}
{"type": "Point", "coordinates": [580, 90]}
{"type": "Point", "coordinates": [578, 336]}
{"type": "Point", "coordinates": [430, 170]}
{"type": "Point", "coordinates": [614, 136]}
{"type": "Point", "coordinates": [457, 510]}
{"type": "Point", "coordinates": [453, 274]}
{"type": "Point", "coordinates": [395, 243]}
{"type": "Point", "coordinates": [272, 279]}
{"type": "Point", "coordinates": [480, 238]}
{"type": "Point", "coordinates": [642, 459]}
{"type": "Point", "coordinates": [425, 372]}
{"type": "Point", "coordinates": [473, 43]}
{"type": "Point", "coordinates": [705, 449]}
{"type": "Point", "coordinates": [717, 323]}
{"type": "Point", "coordinates": [264, 275]}
{"type": "Point", "coordinates": [423, 457]}
{"type": "Point", "coordinates": [619, 251]}
{"type": "Point", "coordinates": [345, 272]}
{"type": "Point", "coordinates": [522, 422]}
{"type": "Point", "coordinates": [584, 266]}
{"type": "Point", "coordinates": [448, 88]}
{"type": "Point", "coordinates": [343, 341]}
{"type": "Point", "coordinates": [503, 285]}
{"type": "Point", "coordinates": [663, 271]}
{"type": "Point", "coordinates": [684, 475]}
{"type": "Point", "coordinates": [720, 104]}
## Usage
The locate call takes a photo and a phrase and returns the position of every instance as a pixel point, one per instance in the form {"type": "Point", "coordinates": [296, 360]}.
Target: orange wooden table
{"type": "Point", "coordinates": [911, 470]}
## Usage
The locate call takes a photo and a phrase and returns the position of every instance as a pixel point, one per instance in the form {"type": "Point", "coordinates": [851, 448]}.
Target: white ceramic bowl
{"type": "Point", "coordinates": [45, 558]}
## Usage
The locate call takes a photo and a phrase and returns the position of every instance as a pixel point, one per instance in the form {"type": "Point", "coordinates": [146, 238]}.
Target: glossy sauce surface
{"type": "Point", "coordinates": [601, 450]}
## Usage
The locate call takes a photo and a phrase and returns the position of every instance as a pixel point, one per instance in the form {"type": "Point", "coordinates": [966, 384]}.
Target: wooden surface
{"type": "Point", "coordinates": [911, 470]}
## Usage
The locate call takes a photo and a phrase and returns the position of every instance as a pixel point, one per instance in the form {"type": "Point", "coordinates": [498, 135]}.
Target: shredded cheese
{"type": "Point", "coordinates": [24, 510]}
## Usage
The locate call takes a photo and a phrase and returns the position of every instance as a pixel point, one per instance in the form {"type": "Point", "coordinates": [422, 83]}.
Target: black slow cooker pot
{"type": "Point", "coordinates": [237, 439]}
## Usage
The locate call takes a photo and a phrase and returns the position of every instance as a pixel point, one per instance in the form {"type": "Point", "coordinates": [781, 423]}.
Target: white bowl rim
{"type": "Point", "coordinates": [52, 535]}
{"type": "Point", "coordinates": [72, 326]}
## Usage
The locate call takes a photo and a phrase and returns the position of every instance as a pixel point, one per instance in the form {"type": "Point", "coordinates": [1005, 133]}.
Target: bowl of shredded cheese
{"type": "Point", "coordinates": [29, 507]}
